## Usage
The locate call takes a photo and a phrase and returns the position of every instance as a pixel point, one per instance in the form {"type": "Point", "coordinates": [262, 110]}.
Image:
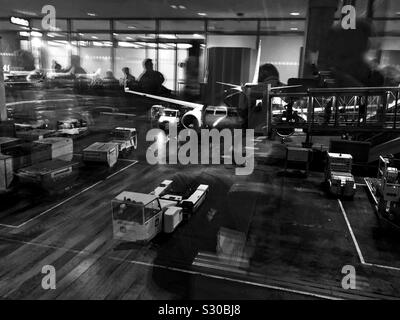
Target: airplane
{"type": "Point", "coordinates": [193, 119]}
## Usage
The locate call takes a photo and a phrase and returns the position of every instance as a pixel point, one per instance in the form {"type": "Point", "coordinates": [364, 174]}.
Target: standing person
{"type": "Point", "coordinates": [192, 66]}
{"type": "Point", "coordinates": [55, 66]}
{"type": "Point", "coordinates": [151, 81]}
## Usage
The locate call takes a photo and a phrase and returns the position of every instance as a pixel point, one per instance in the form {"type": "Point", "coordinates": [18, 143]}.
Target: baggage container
{"type": "Point", "coordinates": [53, 148]}
{"type": "Point", "coordinates": [51, 176]}
{"type": "Point", "coordinates": [20, 154]}
{"type": "Point", "coordinates": [8, 142]}
{"type": "Point", "coordinates": [6, 172]}
{"type": "Point", "coordinates": [33, 135]}
{"type": "Point", "coordinates": [101, 152]}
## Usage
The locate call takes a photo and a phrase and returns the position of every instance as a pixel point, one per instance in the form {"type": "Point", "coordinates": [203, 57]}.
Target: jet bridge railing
{"type": "Point", "coordinates": [330, 110]}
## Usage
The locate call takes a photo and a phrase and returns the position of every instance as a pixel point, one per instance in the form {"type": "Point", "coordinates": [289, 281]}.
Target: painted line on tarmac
{"type": "Point", "coordinates": [152, 265]}
{"type": "Point", "coordinates": [133, 162]}
{"type": "Point", "coordinates": [9, 104]}
{"type": "Point", "coordinates": [361, 257]}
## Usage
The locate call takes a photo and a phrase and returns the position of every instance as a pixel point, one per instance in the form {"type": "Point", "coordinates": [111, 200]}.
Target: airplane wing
{"type": "Point", "coordinates": [235, 86]}
{"type": "Point", "coordinates": [258, 63]}
{"type": "Point", "coordinates": [188, 104]}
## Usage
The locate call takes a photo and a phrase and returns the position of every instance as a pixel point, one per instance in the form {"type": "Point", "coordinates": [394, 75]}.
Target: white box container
{"type": "Point", "coordinates": [101, 152]}
{"type": "Point", "coordinates": [54, 148]}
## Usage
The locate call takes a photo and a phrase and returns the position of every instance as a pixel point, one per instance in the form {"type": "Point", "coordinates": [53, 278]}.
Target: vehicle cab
{"type": "Point", "coordinates": [126, 138]}
{"type": "Point", "coordinates": [168, 117]}
{"type": "Point", "coordinates": [136, 216]}
{"type": "Point", "coordinates": [72, 127]}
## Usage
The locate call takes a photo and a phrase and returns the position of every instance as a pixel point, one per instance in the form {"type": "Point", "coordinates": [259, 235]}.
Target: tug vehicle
{"type": "Point", "coordinates": [168, 117]}
{"type": "Point", "coordinates": [139, 217]}
{"type": "Point", "coordinates": [338, 175]}
{"type": "Point", "coordinates": [72, 128]}
{"type": "Point", "coordinates": [126, 138]}
{"type": "Point", "coordinates": [385, 191]}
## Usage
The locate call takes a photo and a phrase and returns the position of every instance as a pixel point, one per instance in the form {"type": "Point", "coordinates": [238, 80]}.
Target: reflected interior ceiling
{"type": "Point", "coordinates": [190, 9]}
{"type": "Point", "coordinates": [157, 8]}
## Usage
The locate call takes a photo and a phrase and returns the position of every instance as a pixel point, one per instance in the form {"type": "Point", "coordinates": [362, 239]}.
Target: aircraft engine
{"type": "Point", "coordinates": [192, 119]}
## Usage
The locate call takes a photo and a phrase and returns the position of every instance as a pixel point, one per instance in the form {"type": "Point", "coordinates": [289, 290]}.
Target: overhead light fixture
{"type": "Point", "coordinates": [294, 29]}
{"type": "Point", "coordinates": [36, 34]}
{"type": "Point", "coordinates": [182, 7]}
{"type": "Point", "coordinates": [127, 44]}
{"type": "Point", "coordinates": [295, 13]}
{"type": "Point", "coordinates": [94, 37]}
{"type": "Point", "coordinates": [202, 14]}
{"type": "Point", "coordinates": [174, 6]}
{"type": "Point", "coordinates": [91, 14]}
{"type": "Point", "coordinates": [115, 34]}
{"type": "Point", "coordinates": [24, 34]}
{"type": "Point", "coordinates": [131, 27]}
{"type": "Point", "coordinates": [167, 36]}
{"type": "Point", "coordinates": [19, 21]}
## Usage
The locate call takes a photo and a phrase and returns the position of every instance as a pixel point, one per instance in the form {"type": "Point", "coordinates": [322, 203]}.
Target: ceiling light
{"type": "Point", "coordinates": [94, 37]}
{"type": "Point", "coordinates": [131, 27]}
{"type": "Point", "coordinates": [174, 6]}
{"type": "Point", "coordinates": [115, 34]}
{"type": "Point", "coordinates": [19, 21]}
{"type": "Point", "coordinates": [91, 14]}
{"type": "Point", "coordinates": [36, 34]}
{"type": "Point", "coordinates": [182, 7]}
{"type": "Point", "coordinates": [167, 36]}
{"type": "Point", "coordinates": [202, 14]}
{"type": "Point", "coordinates": [294, 29]}
{"type": "Point", "coordinates": [81, 34]}
{"type": "Point", "coordinates": [24, 34]}
{"type": "Point", "coordinates": [295, 13]}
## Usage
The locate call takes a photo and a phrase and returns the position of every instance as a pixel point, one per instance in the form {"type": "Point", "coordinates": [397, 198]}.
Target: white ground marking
{"type": "Point", "coordinates": [152, 265]}
{"type": "Point", "coordinates": [133, 162]}
{"type": "Point", "coordinates": [358, 247]}
{"type": "Point", "coordinates": [9, 104]}
{"type": "Point", "coordinates": [351, 232]}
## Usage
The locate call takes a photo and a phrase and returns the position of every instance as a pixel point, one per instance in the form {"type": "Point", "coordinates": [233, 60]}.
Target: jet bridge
{"type": "Point", "coordinates": [333, 111]}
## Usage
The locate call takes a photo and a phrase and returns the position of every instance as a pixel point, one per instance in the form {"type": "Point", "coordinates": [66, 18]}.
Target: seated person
{"type": "Point", "coordinates": [128, 81]}
{"type": "Point", "coordinates": [109, 80]}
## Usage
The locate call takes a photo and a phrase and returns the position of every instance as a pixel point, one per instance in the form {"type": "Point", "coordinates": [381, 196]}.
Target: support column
{"type": "Point", "coordinates": [3, 109]}
{"type": "Point", "coordinates": [320, 18]}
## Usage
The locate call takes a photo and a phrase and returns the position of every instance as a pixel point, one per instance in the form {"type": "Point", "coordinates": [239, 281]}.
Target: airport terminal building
{"type": "Point", "coordinates": [186, 150]}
